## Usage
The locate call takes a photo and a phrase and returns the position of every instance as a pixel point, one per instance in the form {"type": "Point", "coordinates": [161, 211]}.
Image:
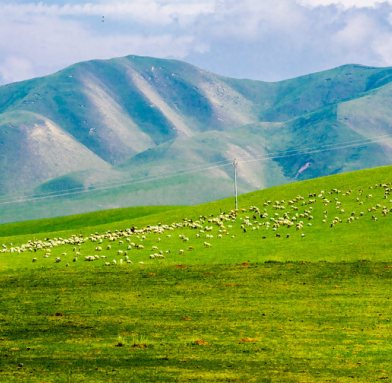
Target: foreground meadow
{"type": "Point", "coordinates": [271, 322]}
{"type": "Point", "coordinates": [292, 287]}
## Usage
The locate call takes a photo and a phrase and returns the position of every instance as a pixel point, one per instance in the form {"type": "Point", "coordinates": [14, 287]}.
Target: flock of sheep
{"type": "Point", "coordinates": [159, 241]}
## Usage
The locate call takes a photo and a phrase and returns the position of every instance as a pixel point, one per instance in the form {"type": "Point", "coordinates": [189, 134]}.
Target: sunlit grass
{"type": "Point", "coordinates": [301, 320]}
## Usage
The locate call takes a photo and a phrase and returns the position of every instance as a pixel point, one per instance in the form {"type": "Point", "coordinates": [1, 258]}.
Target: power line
{"type": "Point", "coordinates": [33, 198]}
{"type": "Point", "coordinates": [322, 149]}
{"type": "Point", "coordinates": [195, 169]}
{"type": "Point", "coordinates": [119, 183]}
{"type": "Point", "coordinates": [305, 150]}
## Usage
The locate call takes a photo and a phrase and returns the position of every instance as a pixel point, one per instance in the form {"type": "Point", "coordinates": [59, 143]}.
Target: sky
{"type": "Point", "coordinates": [267, 40]}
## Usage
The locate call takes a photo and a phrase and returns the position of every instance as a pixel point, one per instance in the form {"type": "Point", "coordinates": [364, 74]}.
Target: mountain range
{"type": "Point", "coordinates": [145, 131]}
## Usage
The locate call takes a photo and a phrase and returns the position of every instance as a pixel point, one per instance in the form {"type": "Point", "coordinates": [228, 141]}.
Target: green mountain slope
{"type": "Point", "coordinates": [101, 123]}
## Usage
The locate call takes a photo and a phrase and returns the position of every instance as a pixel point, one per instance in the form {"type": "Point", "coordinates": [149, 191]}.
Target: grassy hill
{"type": "Point", "coordinates": [104, 121]}
{"type": "Point", "coordinates": [355, 231]}
{"type": "Point", "coordinates": [285, 305]}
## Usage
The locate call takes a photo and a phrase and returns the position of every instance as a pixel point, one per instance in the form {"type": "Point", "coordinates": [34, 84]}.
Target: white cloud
{"type": "Point", "coordinates": [269, 39]}
{"type": "Point", "coordinates": [143, 11]}
{"type": "Point", "coordinates": [15, 68]}
{"type": "Point", "coordinates": [357, 31]}
{"type": "Point", "coordinates": [343, 3]}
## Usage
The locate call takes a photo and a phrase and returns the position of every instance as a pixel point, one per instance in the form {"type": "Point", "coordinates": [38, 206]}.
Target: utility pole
{"type": "Point", "coordinates": [235, 163]}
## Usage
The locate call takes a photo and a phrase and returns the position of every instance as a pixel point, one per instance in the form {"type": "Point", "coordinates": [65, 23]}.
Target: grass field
{"type": "Point", "coordinates": [309, 305]}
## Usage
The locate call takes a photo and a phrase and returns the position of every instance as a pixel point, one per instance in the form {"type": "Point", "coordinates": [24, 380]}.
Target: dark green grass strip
{"type": "Point", "coordinates": [80, 221]}
{"type": "Point", "coordinates": [299, 322]}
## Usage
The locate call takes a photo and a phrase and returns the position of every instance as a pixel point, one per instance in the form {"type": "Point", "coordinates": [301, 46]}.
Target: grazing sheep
{"type": "Point", "coordinates": [57, 259]}
{"type": "Point", "coordinates": [129, 261]}
{"type": "Point", "coordinates": [181, 251]}
{"type": "Point", "coordinates": [35, 259]}
{"type": "Point", "coordinates": [206, 244]}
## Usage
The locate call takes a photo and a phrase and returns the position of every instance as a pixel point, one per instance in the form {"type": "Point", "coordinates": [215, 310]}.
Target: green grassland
{"type": "Point", "coordinates": [309, 305]}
